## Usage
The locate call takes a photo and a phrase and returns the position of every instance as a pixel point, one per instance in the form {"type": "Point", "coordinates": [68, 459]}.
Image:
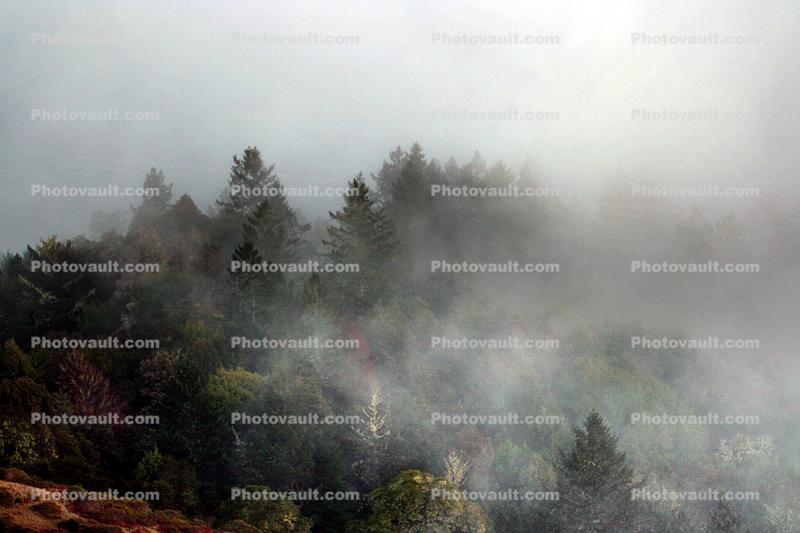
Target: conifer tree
{"type": "Point", "coordinates": [362, 235]}
{"type": "Point", "coordinates": [395, 179]}
{"type": "Point", "coordinates": [155, 180]}
{"type": "Point", "coordinates": [411, 209]}
{"type": "Point", "coordinates": [247, 175]}
{"type": "Point", "coordinates": [248, 283]}
{"type": "Point", "coordinates": [476, 169]}
{"type": "Point", "coordinates": [272, 227]}
{"type": "Point", "coordinates": [411, 192]}
{"type": "Point", "coordinates": [155, 204]}
{"type": "Point", "coordinates": [594, 484]}
{"type": "Point", "coordinates": [389, 173]}
{"type": "Point", "coordinates": [500, 175]}
{"type": "Point", "coordinates": [184, 216]}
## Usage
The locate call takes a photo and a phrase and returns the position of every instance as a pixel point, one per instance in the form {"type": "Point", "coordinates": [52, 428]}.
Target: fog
{"type": "Point", "coordinates": [323, 112]}
{"type": "Point", "coordinates": [602, 104]}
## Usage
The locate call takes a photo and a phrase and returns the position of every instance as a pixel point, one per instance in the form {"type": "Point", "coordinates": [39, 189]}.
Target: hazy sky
{"type": "Point", "coordinates": [323, 112]}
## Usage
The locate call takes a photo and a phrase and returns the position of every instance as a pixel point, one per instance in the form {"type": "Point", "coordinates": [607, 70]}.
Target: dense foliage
{"type": "Point", "coordinates": [395, 378]}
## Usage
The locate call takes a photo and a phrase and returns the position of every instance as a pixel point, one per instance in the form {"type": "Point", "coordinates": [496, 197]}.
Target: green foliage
{"type": "Point", "coordinates": [233, 389]}
{"type": "Point", "coordinates": [362, 235]}
{"type": "Point", "coordinates": [394, 306]}
{"type": "Point", "coordinates": [407, 505]}
{"type": "Point", "coordinates": [266, 516]}
{"type": "Point", "coordinates": [17, 447]}
{"type": "Point", "coordinates": [248, 174]}
{"type": "Point", "coordinates": [175, 480]}
{"type": "Point", "coordinates": [272, 227]}
{"type": "Point", "coordinates": [594, 483]}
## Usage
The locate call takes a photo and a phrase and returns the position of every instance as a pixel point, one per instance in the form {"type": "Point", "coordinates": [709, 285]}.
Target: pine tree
{"type": "Point", "coordinates": [405, 178]}
{"type": "Point", "coordinates": [185, 216]}
{"type": "Point", "coordinates": [389, 173]}
{"type": "Point", "coordinates": [249, 174]}
{"type": "Point", "coordinates": [271, 234]}
{"type": "Point", "coordinates": [594, 484]}
{"type": "Point", "coordinates": [411, 209]}
{"type": "Point", "coordinates": [411, 192]}
{"type": "Point", "coordinates": [476, 169]}
{"type": "Point", "coordinates": [500, 175]}
{"type": "Point", "coordinates": [362, 235]}
{"type": "Point", "coordinates": [153, 205]}
{"type": "Point", "coordinates": [362, 229]}
{"type": "Point", "coordinates": [248, 283]}
{"type": "Point", "coordinates": [272, 227]}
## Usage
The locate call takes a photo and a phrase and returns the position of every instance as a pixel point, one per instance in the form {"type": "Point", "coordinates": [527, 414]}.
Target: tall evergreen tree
{"type": "Point", "coordinates": [389, 173]}
{"type": "Point", "coordinates": [411, 196]}
{"type": "Point", "coordinates": [411, 209]}
{"type": "Point", "coordinates": [248, 283]}
{"type": "Point", "coordinates": [270, 234]}
{"type": "Point", "coordinates": [362, 234]}
{"type": "Point", "coordinates": [594, 484]}
{"type": "Point", "coordinates": [249, 174]}
{"type": "Point", "coordinates": [184, 216]}
{"type": "Point", "coordinates": [500, 175]}
{"type": "Point", "coordinates": [153, 205]}
{"type": "Point", "coordinates": [272, 227]}
{"type": "Point", "coordinates": [390, 178]}
{"type": "Point", "coordinates": [476, 169]}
